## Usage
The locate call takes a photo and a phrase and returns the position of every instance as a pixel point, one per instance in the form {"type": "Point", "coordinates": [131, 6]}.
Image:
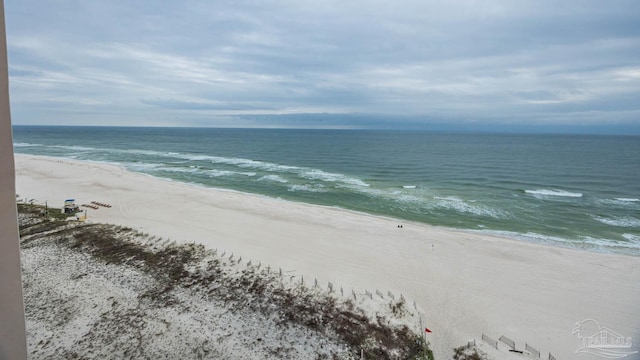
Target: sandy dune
{"type": "Point", "coordinates": [465, 284]}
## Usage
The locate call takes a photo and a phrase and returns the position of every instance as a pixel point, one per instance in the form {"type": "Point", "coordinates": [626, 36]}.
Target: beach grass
{"type": "Point", "coordinates": [211, 277]}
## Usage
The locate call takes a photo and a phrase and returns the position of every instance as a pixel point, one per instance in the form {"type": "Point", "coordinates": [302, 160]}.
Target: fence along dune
{"type": "Point", "coordinates": [508, 341]}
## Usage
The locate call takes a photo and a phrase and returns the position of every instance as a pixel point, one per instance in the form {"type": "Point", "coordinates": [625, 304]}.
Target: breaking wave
{"type": "Point", "coordinates": [15, 145]}
{"type": "Point", "coordinates": [553, 192]}
{"type": "Point", "coordinates": [275, 178]}
{"type": "Point", "coordinates": [627, 199]}
{"type": "Point", "coordinates": [317, 188]}
{"type": "Point", "coordinates": [626, 221]}
{"type": "Point", "coordinates": [631, 244]}
{"type": "Point", "coordinates": [467, 206]}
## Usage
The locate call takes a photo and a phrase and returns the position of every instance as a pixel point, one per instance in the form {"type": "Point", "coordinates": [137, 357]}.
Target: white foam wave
{"type": "Point", "coordinates": [626, 221]}
{"type": "Point", "coordinates": [632, 237]}
{"type": "Point", "coordinates": [191, 158]}
{"type": "Point", "coordinates": [315, 174]}
{"type": "Point", "coordinates": [178, 169]}
{"type": "Point", "coordinates": [553, 192]}
{"type": "Point", "coordinates": [140, 166]}
{"type": "Point", "coordinates": [111, 150]}
{"type": "Point", "coordinates": [73, 147]}
{"type": "Point", "coordinates": [410, 200]}
{"type": "Point", "coordinates": [318, 188]}
{"type": "Point", "coordinates": [15, 145]}
{"type": "Point", "coordinates": [243, 163]}
{"type": "Point", "coordinates": [462, 206]}
{"type": "Point", "coordinates": [627, 199]}
{"type": "Point", "coordinates": [606, 244]}
{"type": "Point", "coordinates": [306, 173]}
{"type": "Point", "coordinates": [275, 178]}
{"type": "Point", "coordinates": [390, 194]}
{"type": "Point", "coordinates": [585, 242]}
{"type": "Point", "coordinates": [367, 190]}
{"type": "Point", "coordinates": [239, 162]}
{"type": "Point", "coordinates": [219, 173]}
{"type": "Point", "coordinates": [149, 153]}
{"type": "Point", "coordinates": [153, 167]}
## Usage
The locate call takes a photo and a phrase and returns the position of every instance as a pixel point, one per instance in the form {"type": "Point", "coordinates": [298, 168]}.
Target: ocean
{"type": "Point", "coordinates": [579, 191]}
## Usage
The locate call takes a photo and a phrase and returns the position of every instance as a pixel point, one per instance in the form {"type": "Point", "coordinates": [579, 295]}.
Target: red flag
{"type": "Point", "coordinates": [427, 330]}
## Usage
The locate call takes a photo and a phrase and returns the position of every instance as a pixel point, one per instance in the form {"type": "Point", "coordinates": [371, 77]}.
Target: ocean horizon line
{"type": "Point", "coordinates": [497, 130]}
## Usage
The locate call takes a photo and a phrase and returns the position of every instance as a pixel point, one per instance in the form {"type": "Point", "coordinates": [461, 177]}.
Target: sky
{"type": "Point", "coordinates": [545, 64]}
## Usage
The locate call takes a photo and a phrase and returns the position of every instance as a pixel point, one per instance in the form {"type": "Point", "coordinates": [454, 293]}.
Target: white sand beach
{"type": "Point", "coordinates": [465, 284]}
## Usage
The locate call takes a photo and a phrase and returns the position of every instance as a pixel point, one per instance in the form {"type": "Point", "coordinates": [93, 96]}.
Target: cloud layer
{"type": "Point", "coordinates": [246, 63]}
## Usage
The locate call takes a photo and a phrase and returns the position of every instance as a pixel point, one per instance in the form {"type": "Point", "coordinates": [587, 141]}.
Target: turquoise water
{"type": "Point", "coordinates": [575, 191]}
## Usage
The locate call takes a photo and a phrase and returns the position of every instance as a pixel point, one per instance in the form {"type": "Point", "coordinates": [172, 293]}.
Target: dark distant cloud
{"type": "Point", "coordinates": [387, 64]}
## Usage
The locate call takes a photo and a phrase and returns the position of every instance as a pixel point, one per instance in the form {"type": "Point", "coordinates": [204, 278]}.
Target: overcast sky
{"type": "Point", "coordinates": [348, 63]}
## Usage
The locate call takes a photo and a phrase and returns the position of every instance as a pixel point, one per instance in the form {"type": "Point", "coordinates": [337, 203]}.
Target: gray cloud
{"type": "Point", "coordinates": [204, 63]}
{"type": "Point", "coordinates": [189, 105]}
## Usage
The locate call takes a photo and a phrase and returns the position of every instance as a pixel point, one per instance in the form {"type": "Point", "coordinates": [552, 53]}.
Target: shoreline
{"type": "Point", "coordinates": [465, 283]}
{"type": "Point", "coordinates": [532, 238]}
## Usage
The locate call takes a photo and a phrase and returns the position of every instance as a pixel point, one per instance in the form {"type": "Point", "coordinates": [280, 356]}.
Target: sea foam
{"type": "Point", "coordinates": [632, 237]}
{"type": "Point", "coordinates": [467, 206]}
{"type": "Point", "coordinates": [553, 192]}
{"type": "Point", "coordinates": [627, 199]}
{"type": "Point", "coordinates": [302, 172]}
{"type": "Point", "coordinates": [315, 174]}
{"type": "Point", "coordinates": [317, 188]}
{"type": "Point", "coordinates": [632, 245]}
{"type": "Point", "coordinates": [275, 178]}
{"type": "Point", "coordinates": [626, 221]}
{"type": "Point", "coordinates": [25, 145]}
